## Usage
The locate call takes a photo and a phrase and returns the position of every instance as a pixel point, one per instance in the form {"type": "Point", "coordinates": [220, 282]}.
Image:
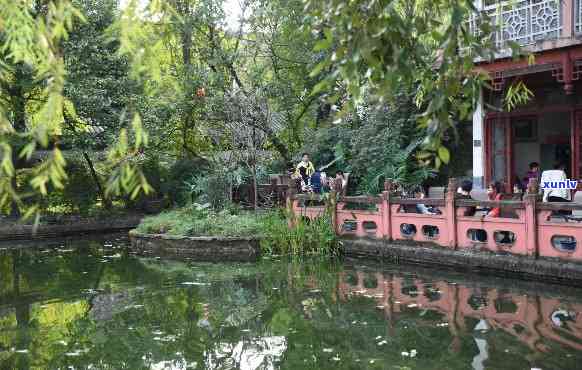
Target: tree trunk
{"type": "Point", "coordinates": [18, 101]}
{"type": "Point", "coordinates": [106, 201]}
{"type": "Point", "coordinates": [183, 9]}
{"type": "Point", "coordinates": [255, 190]}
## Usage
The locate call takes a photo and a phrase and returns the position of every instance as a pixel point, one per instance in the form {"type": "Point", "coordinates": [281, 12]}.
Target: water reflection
{"type": "Point", "coordinates": [531, 319]}
{"type": "Point", "coordinates": [90, 303]}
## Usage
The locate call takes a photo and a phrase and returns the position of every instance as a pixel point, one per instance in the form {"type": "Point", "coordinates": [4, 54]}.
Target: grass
{"type": "Point", "coordinates": [196, 221]}
{"type": "Point", "coordinates": [315, 237]}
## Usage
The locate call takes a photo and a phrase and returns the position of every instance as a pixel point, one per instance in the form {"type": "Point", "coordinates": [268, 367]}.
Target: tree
{"type": "Point", "coordinates": [97, 85]}
{"type": "Point", "coordinates": [32, 36]}
{"type": "Point", "coordinates": [383, 46]}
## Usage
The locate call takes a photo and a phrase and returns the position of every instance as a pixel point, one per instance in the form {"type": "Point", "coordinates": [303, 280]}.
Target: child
{"type": "Point", "coordinates": [533, 173]}
{"type": "Point", "coordinates": [305, 170]}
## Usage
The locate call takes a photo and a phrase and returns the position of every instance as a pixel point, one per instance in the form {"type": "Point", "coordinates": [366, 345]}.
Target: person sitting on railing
{"type": "Point", "coordinates": [494, 193]}
{"type": "Point", "coordinates": [464, 192]}
{"type": "Point", "coordinates": [305, 170]}
{"type": "Point", "coordinates": [423, 208]}
{"type": "Point", "coordinates": [517, 192]}
{"type": "Point", "coordinates": [558, 174]}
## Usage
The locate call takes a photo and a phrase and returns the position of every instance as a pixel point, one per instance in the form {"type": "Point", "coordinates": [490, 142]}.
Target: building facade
{"type": "Point", "coordinates": [548, 128]}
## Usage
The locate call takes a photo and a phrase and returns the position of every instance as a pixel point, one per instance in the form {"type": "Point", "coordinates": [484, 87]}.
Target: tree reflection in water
{"type": "Point", "coordinates": [82, 305]}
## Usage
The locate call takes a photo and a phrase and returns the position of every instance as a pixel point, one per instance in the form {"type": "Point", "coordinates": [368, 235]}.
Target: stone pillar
{"type": "Point", "coordinates": [479, 143]}
{"type": "Point", "coordinates": [531, 227]}
{"type": "Point", "coordinates": [450, 214]}
{"type": "Point", "coordinates": [385, 211]}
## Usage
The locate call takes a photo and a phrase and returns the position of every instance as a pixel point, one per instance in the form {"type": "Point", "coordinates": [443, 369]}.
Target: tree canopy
{"type": "Point", "coordinates": [163, 79]}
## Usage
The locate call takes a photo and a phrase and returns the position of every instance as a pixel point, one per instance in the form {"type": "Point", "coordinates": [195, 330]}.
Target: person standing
{"type": "Point", "coordinates": [305, 170]}
{"type": "Point", "coordinates": [341, 177]}
{"type": "Point", "coordinates": [533, 173]}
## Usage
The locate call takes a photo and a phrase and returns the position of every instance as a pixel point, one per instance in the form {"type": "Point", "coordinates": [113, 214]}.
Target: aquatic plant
{"type": "Point", "coordinates": [305, 237]}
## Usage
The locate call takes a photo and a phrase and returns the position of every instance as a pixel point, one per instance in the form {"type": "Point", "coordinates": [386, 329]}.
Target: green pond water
{"type": "Point", "coordinates": [91, 304]}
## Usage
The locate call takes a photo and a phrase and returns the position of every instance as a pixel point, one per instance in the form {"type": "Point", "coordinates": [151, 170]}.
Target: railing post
{"type": "Point", "coordinates": [336, 189]}
{"type": "Point", "coordinates": [274, 193]}
{"type": "Point", "coordinates": [385, 211]}
{"type": "Point", "coordinates": [290, 206]}
{"type": "Point", "coordinates": [531, 227]}
{"type": "Point", "coordinates": [332, 208]}
{"type": "Point", "coordinates": [450, 214]}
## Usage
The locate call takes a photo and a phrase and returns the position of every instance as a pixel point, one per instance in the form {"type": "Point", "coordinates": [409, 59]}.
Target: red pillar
{"type": "Point", "coordinates": [531, 227]}
{"type": "Point", "coordinates": [568, 68]}
{"type": "Point", "coordinates": [450, 214]}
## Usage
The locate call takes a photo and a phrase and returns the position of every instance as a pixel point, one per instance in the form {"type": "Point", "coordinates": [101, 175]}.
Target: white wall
{"type": "Point", "coordinates": [479, 144]}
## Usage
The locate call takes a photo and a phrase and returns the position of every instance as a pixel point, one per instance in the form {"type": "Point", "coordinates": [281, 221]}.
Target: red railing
{"type": "Point", "coordinates": [528, 227]}
{"type": "Point", "coordinates": [531, 319]}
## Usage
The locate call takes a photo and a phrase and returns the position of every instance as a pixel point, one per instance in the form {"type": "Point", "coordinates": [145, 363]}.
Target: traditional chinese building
{"type": "Point", "coordinates": [548, 128]}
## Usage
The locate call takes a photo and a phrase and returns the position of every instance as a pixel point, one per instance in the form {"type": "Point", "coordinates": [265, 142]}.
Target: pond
{"type": "Point", "coordinates": [89, 303]}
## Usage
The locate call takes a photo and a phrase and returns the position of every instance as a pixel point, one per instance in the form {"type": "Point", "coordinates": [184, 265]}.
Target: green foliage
{"type": "Point", "coordinates": [35, 106]}
{"type": "Point", "coordinates": [85, 75]}
{"type": "Point", "coordinates": [98, 84]}
{"type": "Point", "coordinates": [517, 94]}
{"type": "Point", "coordinates": [379, 143]}
{"type": "Point", "coordinates": [216, 185]}
{"type": "Point", "coordinates": [426, 45]}
{"type": "Point", "coordinates": [124, 158]}
{"type": "Point", "coordinates": [30, 44]}
{"type": "Point", "coordinates": [79, 192]}
{"type": "Point", "coordinates": [212, 188]}
{"type": "Point", "coordinates": [180, 173]}
{"type": "Point", "coordinates": [385, 143]}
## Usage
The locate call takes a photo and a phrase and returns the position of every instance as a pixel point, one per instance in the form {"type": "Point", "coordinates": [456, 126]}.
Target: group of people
{"type": "Point", "coordinates": [495, 189]}
{"type": "Point", "coordinates": [311, 180]}
{"type": "Point", "coordinates": [558, 174]}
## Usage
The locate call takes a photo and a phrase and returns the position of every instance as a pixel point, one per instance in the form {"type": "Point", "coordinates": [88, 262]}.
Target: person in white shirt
{"type": "Point", "coordinates": [556, 175]}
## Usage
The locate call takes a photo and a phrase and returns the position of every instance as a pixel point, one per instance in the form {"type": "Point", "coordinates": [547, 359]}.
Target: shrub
{"type": "Point", "coordinates": [178, 175]}
{"type": "Point", "coordinates": [79, 194]}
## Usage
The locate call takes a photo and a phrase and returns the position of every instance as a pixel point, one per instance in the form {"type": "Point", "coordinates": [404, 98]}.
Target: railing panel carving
{"type": "Point", "coordinates": [524, 22]}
